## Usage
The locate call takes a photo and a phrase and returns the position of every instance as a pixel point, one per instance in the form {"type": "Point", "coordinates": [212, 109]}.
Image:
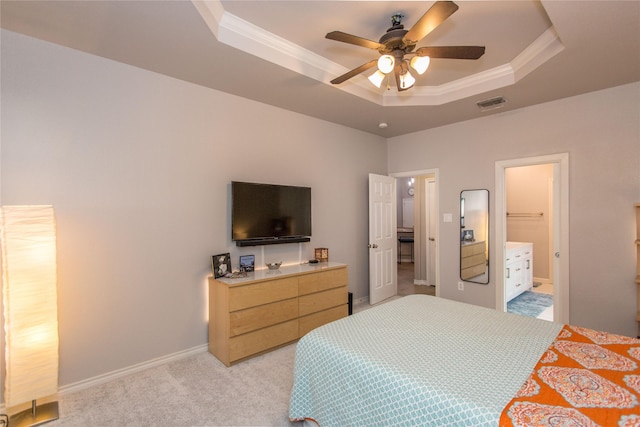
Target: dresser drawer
{"type": "Point", "coordinates": [514, 255]}
{"type": "Point", "coordinates": [470, 272]}
{"type": "Point", "coordinates": [246, 345]}
{"type": "Point", "coordinates": [329, 279]}
{"type": "Point", "coordinates": [473, 261]}
{"type": "Point", "coordinates": [470, 249]}
{"type": "Point", "coordinates": [248, 320]}
{"type": "Point", "coordinates": [313, 303]}
{"type": "Point", "coordinates": [312, 321]}
{"type": "Point", "coordinates": [241, 297]}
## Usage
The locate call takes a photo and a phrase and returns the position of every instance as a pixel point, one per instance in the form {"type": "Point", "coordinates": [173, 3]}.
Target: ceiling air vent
{"type": "Point", "coordinates": [491, 104]}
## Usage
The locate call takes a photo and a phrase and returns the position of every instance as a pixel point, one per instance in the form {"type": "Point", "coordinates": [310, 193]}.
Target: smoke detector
{"type": "Point", "coordinates": [491, 103]}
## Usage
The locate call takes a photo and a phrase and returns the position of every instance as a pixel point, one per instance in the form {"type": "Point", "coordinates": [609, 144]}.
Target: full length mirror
{"type": "Point", "coordinates": [474, 236]}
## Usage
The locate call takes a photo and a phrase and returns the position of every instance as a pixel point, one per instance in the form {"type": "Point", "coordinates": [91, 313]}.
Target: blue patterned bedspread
{"type": "Point", "coordinates": [417, 360]}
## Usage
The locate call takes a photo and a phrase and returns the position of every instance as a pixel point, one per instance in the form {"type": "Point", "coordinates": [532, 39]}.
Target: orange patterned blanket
{"type": "Point", "coordinates": [585, 378]}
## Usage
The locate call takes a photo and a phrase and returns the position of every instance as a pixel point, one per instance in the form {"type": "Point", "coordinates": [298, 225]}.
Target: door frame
{"type": "Point", "coordinates": [560, 225]}
{"type": "Point", "coordinates": [418, 254]}
{"type": "Point", "coordinates": [431, 220]}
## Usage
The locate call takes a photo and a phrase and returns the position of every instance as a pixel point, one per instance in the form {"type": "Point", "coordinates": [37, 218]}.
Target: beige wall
{"type": "Point", "coordinates": [601, 133]}
{"type": "Point", "coordinates": [138, 166]}
{"type": "Point", "coordinates": [528, 193]}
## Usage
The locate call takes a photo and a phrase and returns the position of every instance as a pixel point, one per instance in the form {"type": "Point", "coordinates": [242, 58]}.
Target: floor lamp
{"type": "Point", "coordinates": [30, 311]}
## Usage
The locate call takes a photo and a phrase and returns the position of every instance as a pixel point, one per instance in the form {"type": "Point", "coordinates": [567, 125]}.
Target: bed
{"type": "Point", "coordinates": [423, 360]}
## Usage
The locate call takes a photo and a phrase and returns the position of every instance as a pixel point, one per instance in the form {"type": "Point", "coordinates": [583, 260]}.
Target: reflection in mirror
{"type": "Point", "coordinates": [474, 236]}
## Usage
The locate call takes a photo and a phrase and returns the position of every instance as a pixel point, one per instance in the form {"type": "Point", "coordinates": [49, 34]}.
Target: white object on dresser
{"type": "Point", "coordinates": [519, 268]}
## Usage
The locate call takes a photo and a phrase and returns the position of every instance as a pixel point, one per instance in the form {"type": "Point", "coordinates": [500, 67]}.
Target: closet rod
{"type": "Point", "coordinates": [523, 214]}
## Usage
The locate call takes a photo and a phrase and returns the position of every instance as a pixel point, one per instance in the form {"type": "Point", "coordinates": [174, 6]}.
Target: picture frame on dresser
{"type": "Point", "coordinates": [221, 265]}
{"type": "Point", "coordinates": [247, 263]}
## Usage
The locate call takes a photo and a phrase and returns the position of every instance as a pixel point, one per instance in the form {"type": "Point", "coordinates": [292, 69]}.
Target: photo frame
{"type": "Point", "coordinates": [247, 263]}
{"type": "Point", "coordinates": [221, 265]}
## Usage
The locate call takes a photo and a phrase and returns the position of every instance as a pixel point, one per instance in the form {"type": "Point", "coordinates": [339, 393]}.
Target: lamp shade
{"type": "Point", "coordinates": [377, 78]}
{"type": "Point", "coordinates": [406, 80]}
{"type": "Point", "coordinates": [420, 64]}
{"type": "Point", "coordinates": [30, 302]}
{"type": "Point", "coordinates": [386, 63]}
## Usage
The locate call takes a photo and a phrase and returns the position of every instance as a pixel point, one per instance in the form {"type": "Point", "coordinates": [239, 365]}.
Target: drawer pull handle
{"type": "Point", "coordinates": [508, 272]}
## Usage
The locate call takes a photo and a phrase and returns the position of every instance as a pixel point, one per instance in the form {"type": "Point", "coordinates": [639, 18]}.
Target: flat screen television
{"type": "Point", "coordinates": [264, 214]}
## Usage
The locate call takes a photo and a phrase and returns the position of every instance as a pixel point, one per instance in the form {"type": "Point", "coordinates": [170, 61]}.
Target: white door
{"type": "Point", "coordinates": [431, 230]}
{"type": "Point", "coordinates": [383, 238]}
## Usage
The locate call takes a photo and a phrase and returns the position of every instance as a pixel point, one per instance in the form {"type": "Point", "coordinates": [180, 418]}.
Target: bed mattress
{"type": "Point", "coordinates": [417, 360]}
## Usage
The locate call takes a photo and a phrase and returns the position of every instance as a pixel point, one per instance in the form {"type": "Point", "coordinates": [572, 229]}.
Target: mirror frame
{"type": "Point", "coordinates": [468, 239]}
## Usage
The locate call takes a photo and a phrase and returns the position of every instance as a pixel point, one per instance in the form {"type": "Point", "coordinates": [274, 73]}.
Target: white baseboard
{"type": "Point", "coordinates": [543, 281]}
{"type": "Point", "coordinates": [119, 373]}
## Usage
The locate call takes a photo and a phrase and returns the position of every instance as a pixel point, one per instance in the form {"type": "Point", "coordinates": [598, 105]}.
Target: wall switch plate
{"type": "Point", "coordinates": [447, 217]}
{"type": "Point", "coordinates": [460, 286]}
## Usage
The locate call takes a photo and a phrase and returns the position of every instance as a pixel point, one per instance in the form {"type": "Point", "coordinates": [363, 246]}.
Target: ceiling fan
{"type": "Point", "coordinates": [397, 43]}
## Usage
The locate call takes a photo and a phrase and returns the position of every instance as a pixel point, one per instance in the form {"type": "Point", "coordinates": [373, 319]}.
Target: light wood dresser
{"type": "Point", "coordinates": [473, 260]}
{"type": "Point", "coordinates": [267, 309]}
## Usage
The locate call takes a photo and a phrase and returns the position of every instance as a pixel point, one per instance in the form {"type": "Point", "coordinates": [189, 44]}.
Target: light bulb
{"type": "Point", "coordinates": [420, 63]}
{"type": "Point", "coordinates": [377, 78]}
{"type": "Point", "coordinates": [386, 63]}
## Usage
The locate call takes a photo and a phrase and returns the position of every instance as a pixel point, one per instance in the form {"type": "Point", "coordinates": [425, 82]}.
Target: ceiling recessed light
{"type": "Point", "coordinates": [383, 125]}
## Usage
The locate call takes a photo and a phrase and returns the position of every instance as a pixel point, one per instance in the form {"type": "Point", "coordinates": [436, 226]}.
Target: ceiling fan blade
{"type": "Point", "coordinates": [351, 39]}
{"type": "Point", "coordinates": [451, 52]}
{"type": "Point", "coordinates": [440, 11]}
{"type": "Point", "coordinates": [354, 72]}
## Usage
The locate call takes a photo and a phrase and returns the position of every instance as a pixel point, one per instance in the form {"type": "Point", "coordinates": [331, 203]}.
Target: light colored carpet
{"type": "Point", "coordinates": [405, 281]}
{"type": "Point", "coordinates": [196, 391]}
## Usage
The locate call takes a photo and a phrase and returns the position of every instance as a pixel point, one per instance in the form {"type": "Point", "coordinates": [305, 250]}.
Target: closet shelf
{"type": "Point", "coordinates": [525, 214]}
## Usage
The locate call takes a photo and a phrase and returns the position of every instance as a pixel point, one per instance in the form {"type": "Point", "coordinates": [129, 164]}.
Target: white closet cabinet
{"type": "Point", "coordinates": [519, 268]}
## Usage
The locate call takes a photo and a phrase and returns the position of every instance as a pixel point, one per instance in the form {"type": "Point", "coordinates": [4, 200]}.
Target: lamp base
{"type": "Point", "coordinates": [35, 416]}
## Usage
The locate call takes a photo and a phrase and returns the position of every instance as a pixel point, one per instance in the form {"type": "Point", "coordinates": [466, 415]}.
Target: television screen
{"type": "Point", "coordinates": [267, 211]}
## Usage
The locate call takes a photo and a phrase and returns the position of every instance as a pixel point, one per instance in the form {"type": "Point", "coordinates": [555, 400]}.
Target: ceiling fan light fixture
{"type": "Point", "coordinates": [420, 63]}
{"type": "Point", "coordinates": [377, 78]}
{"type": "Point", "coordinates": [386, 63]}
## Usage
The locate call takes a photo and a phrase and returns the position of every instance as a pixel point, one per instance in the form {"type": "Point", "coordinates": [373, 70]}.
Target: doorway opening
{"type": "Point", "coordinates": [532, 230]}
{"type": "Point", "coordinates": [416, 230]}
{"type": "Point", "coordinates": [529, 234]}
